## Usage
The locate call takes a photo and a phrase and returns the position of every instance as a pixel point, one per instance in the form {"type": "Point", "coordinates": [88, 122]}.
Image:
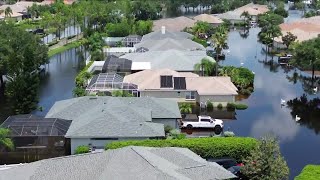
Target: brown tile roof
{"type": "Point", "coordinates": [150, 80]}
{"type": "Point", "coordinates": [304, 29]}
{"type": "Point", "coordinates": [208, 18]}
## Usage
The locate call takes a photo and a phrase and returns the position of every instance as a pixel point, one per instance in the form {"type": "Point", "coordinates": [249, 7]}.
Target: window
{"type": "Point", "coordinates": [166, 82]}
{"type": "Point", "coordinates": [205, 120]}
{"type": "Point", "coordinates": [190, 95]}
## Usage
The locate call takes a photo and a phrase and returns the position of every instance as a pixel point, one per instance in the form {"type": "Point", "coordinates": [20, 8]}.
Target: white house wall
{"type": "Point", "coordinates": [166, 94]}
{"type": "Point", "coordinates": [218, 99]}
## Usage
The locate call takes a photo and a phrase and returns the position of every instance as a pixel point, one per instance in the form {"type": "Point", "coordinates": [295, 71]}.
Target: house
{"type": "Point", "coordinates": [167, 43]}
{"type": "Point", "coordinates": [113, 41]}
{"type": "Point", "coordinates": [183, 87]}
{"type": "Point", "coordinates": [253, 9]}
{"type": "Point", "coordinates": [131, 40]}
{"type": "Point", "coordinates": [182, 61]}
{"type": "Point", "coordinates": [36, 137]}
{"type": "Point", "coordinates": [131, 162]}
{"type": "Point", "coordinates": [165, 33]}
{"type": "Point", "coordinates": [305, 29]}
{"type": "Point", "coordinates": [97, 121]}
{"type": "Point", "coordinates": [173, 24]}
{"type": "Point", "coordinates": [213, 20]}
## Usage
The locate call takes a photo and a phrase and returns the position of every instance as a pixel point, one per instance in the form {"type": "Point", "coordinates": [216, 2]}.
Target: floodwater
{"type": "Point", "coordinates": [299, 141]}
{"type": "Point", "coordinates": [56, 84]}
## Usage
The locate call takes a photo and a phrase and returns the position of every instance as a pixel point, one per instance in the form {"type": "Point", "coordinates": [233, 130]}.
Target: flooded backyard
{"type": "Point", "coordinates": [299, 141]}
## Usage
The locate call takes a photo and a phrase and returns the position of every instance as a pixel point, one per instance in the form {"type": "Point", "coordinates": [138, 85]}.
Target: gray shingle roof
{"type": "Point", "coordinates": [169, 43]}
{"type": "Point", "coordinates": [170, 59]}
{"type": "Point", "coordinates": [114, 116]}
{"type": "Point", "coordinates": [157, 35]}
{"type": "Point", "coordinates": [126, 163]}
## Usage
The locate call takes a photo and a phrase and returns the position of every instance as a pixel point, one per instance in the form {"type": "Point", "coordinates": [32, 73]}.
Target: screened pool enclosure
{"type": "Point", "coordinates": [110, 82]}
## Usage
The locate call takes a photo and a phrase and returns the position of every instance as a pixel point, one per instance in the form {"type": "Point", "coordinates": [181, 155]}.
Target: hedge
{"type": "Point", "coordinates": [309, 172]}
{"type": "Point", "coordinates": [211, 147]}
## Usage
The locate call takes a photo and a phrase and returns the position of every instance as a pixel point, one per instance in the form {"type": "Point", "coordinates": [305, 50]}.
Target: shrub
{"type": "Point", "coordinates": [209, 105]}
{"type": "Point", "coordinates": [167, 129]}
{"type": "Point", "coordinates": [200, 41]}
{"type": "Point", "coordinates": [309, 172]}
{"type": "Point", "coordinates": [231, 106]}
{"type": "Point", "coordinates": [265, 161]}
{"type": "Point", "coordinates": [82, 149]}
{"type": "Point", "coordinates": [176, 134]}
{"type": "Point", "coordinates": [240, 106]}
{"type": "Point", "coordinates": [219, 106]}
{"type": "Point", "coordinates": [211, 147]}
{"type": "Point", "coordinates": [83, 75]}
{"type": "Point", "coordinates": [229, 134]}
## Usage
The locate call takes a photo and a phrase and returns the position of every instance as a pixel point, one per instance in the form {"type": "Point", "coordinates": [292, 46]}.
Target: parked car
{"type": "Point", "coordinates": [231, 165]}
{"type": "Point", "coordinates": [203, 122]}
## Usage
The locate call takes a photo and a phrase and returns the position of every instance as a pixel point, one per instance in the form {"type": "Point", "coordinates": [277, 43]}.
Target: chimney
{"type": "Point", "coordinates": [163, 29]}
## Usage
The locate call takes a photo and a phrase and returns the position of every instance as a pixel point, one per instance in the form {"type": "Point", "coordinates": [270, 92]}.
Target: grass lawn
{"type": "Point", "coordinates": [309, 172]}
{"type": "Point", "coordinates": [64, 48]}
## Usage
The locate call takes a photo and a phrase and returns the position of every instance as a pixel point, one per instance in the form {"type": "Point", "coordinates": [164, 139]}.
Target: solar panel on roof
{"type": "Point", "coordinates": [179, 83]}
{"type": "Point", "coordinates": [166, 82]}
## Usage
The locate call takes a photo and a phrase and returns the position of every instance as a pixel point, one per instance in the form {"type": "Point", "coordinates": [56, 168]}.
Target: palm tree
{"type": "Point", "coordinates": [201, 28]}
{"type": "Point", "coordinates": [246, 16]}
{"type": "Point", "coordinates": [5, 142]}
{"type": "Point", "coordinates": [185, 108]}
{"type": "Point", "coordinates": [220, 42]}
{"type": "Point", "coordinates": [8, 12]}
{"type": "Point", "coordinates": [206, 67]}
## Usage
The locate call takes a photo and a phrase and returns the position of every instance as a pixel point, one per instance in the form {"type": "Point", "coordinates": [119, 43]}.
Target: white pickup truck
{"type": "Point", "coordinates": [204, 122]}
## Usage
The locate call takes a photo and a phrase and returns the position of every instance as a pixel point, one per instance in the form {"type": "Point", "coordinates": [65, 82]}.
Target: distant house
{"type": "Point", "coordinates": [305, 29]}
{"type": "Point", "coordinates": [131, 162]}
{"type": "Point", "coordinates": [253, 9]}
{"type": "Point", "coordinates": [211, 19]}
{"type": "Point", "coordinates": [173, 24]}
{"type": "Point", "coordinates": [97, 121]}
{"type": "Point", "coordinates": [165, 33]}
{"type": "Point", "coordinates": [131, 40]}
{"type": "Point", "coordinates": [37, 137]}
{"type": "Point", "coordinates": [183, 87]}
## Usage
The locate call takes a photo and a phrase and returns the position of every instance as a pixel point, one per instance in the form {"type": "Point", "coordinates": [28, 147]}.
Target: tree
{"type": "Point", "coordinates": [220, 42]}
{"type": "Point", "coordinates": [201, 28]}
{"type": "Point", "coordinates": [281, 11]}
{"type": "Point", "coordinates": [246, 16]}
{"type": "Point", "coordinates": [206, 66]}
{"type": "Point", "coordinates": [5, 142]}
{"type": "Point", "coordinates": [185, 108]}
{"type": "Point", "coordinates": [121, 93]}
{"type": "Point", "coordinates": [8, 12]}
{"type": "Point", "coordinates": [288, 39]}
{"type": "Point", "coordinates": [142, 27]}
{"type": "Point", "coordinates": [23, 54]}
{"type": "Point", "coordinates": [268, 19]}
{"type": "Point", "coordinates": [266, 162]}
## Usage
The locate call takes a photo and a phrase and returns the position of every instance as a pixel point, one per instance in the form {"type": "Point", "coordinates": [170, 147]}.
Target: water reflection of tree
{"type": "Point", "coordinates": [308, 110]}
{"type": "Point", "coordinates": [244, 33]}
{"type": "Point", "coordinates": [271, 65]}
{"type": "Point", "coordinates": [308, 83]}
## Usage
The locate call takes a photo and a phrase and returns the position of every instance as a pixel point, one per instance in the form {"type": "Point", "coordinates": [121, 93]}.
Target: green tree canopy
{"type": "Point", "coordinates": [5, 142]}
{"type": "Point", "coordinates": [21, 55]}
{"type": "Point", "coordinates": [288, 39]}
{"type": "Point", "coordinates": [266, 162]}
{"type": "Point", "coordinates": [205, 67]}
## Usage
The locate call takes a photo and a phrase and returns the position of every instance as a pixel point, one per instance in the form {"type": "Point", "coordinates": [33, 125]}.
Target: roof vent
{"type": "Point", "coordinates": [163, 30]}
{"type": "Point", "coordinates": [93, 97]}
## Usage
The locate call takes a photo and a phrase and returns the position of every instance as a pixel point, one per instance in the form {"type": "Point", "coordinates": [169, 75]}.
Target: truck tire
{"type": "Point", "coordinates": [217, 129]}
{"type": "Point", "coordinates": [189, 126]}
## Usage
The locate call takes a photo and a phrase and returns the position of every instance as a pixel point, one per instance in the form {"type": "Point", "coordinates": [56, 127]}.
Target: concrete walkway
{"type": "Point", "coordinates": [65, 41]}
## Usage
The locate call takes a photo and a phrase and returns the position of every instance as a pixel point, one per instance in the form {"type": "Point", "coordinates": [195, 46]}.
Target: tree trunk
{"type": "Point", "coordinates": [217, 61]}
{"type": "Point", "coordinates": [312, 73]}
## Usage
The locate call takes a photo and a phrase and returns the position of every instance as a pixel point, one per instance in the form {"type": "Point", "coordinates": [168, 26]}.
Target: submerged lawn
{"type": "Point", "coordinates": [309, 172]}
{"type": "Point", "coordinates": [64, 48]}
